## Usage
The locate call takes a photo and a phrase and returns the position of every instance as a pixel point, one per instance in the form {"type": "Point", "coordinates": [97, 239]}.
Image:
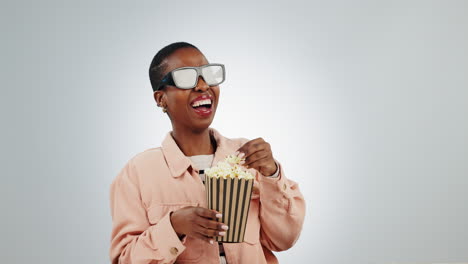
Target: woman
{"type": "Point", "coordinates": [158, 201]}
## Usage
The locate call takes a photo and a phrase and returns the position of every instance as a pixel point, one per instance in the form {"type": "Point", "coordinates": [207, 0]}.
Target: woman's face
{"type": "Point", "coordinates": [178, 102]}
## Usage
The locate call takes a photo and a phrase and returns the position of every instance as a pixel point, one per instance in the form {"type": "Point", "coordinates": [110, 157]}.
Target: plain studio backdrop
{"type": "Point", "coordinates": [363, 102]}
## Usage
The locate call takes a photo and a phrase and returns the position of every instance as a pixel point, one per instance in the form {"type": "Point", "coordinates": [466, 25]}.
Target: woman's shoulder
{"type": "Point", "coordinates": [148, 155]}
{"type": "Point", "coordinates": [140, 162]}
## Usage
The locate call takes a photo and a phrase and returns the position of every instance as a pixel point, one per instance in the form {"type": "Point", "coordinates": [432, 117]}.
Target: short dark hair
{"type": "Point", "coordinates": [156, 68]}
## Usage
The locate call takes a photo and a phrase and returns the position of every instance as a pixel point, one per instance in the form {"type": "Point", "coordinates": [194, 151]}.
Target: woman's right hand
{"type": "Point", "coordinates": [198, 222]}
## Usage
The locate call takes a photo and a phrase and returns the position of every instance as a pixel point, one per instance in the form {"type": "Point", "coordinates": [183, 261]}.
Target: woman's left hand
{"type": "Point", "coordinates": [258, 155]}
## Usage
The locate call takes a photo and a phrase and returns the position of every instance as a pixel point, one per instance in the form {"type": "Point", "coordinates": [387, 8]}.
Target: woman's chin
{"type": "Point", "coordinates": [202, 118]}
{"type": "Point", "coordinates": [202, 112]}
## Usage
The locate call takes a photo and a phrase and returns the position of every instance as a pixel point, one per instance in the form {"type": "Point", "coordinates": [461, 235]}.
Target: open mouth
{"type": "Point", "coordinates": [203, 107]}
{"type": "Point", "coordinates": [202, 104]}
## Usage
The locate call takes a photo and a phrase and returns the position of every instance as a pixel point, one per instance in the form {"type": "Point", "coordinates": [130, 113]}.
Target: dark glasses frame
{"type": "Point", "coordinates": [168, 79]}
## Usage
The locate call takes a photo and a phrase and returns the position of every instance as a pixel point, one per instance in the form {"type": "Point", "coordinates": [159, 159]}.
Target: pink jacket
{"type": "Point", "coordinates": [160, 180]}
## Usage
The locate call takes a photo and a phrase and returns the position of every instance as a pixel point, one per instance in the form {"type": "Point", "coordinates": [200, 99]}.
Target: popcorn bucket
{"type": "Point", "coordinates": [231, 197]}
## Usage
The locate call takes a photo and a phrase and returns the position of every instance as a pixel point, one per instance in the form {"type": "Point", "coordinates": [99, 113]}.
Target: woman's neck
{"type": "Point", "coordinates": [193, 143]}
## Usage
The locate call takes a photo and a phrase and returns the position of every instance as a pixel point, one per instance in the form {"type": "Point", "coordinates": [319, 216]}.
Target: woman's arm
{"type": "Point", "coordinates": [282, 206]}
{"type": "Point", "coordinates": [282, 211]}
{"type": "Point", "coordinates": [134, 240]}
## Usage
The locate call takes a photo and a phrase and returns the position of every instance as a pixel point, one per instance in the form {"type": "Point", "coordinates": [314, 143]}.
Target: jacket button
{"type": "Point", "coordinates": [174, 251]}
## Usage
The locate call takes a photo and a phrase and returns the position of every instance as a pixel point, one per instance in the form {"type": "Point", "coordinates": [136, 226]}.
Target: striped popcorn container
{"type": "Point", "coordinates": [231, 197]}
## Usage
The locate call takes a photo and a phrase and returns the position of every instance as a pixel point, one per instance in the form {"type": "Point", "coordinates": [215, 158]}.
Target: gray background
{"type": "Point", "coordinates": [363, 102]}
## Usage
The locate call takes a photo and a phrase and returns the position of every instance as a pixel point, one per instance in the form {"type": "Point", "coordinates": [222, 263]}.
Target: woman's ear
{"type": "Point", "coordinates": [159, 98]}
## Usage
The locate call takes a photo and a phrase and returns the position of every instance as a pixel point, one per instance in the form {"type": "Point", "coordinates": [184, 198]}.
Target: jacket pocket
{"type": "Point", "coordinates": [194, 247]}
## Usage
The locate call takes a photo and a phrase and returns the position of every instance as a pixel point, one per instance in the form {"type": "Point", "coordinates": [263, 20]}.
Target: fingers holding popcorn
{"type": "Point", "coordinates": [252, 158]}
{"type": "Point", "coordinates": [258, 155]}
{"type": "Point", "coordinates": [253, 146]}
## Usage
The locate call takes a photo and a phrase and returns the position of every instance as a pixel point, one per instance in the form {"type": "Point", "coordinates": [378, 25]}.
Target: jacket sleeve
{"type": "Point", "coordinates": [133, 239]}
{"type": "Point", "coordinates": [282, 211]}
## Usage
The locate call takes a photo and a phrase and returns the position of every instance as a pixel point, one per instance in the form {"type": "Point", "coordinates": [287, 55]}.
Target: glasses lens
{"type": "Point", "coordinates": [213, 74]}
{"type": "Point", "coordinates": [185, 78]}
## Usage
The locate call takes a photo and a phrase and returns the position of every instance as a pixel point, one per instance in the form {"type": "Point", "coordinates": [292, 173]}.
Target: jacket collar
{"type": "Point", "coordinates": [177, 161]}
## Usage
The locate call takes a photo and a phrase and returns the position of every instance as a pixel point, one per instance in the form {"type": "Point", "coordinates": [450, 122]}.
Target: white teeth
{"type": "Point", "coordinates": [202, 102]}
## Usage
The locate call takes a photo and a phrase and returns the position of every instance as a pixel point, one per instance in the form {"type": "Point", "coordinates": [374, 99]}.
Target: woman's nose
{"type": "Point", "coordinates": [201, 85]}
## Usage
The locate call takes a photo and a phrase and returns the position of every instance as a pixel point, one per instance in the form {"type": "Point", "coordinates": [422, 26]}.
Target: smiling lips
{"type": "Point", "coordinates": [202, 105]}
